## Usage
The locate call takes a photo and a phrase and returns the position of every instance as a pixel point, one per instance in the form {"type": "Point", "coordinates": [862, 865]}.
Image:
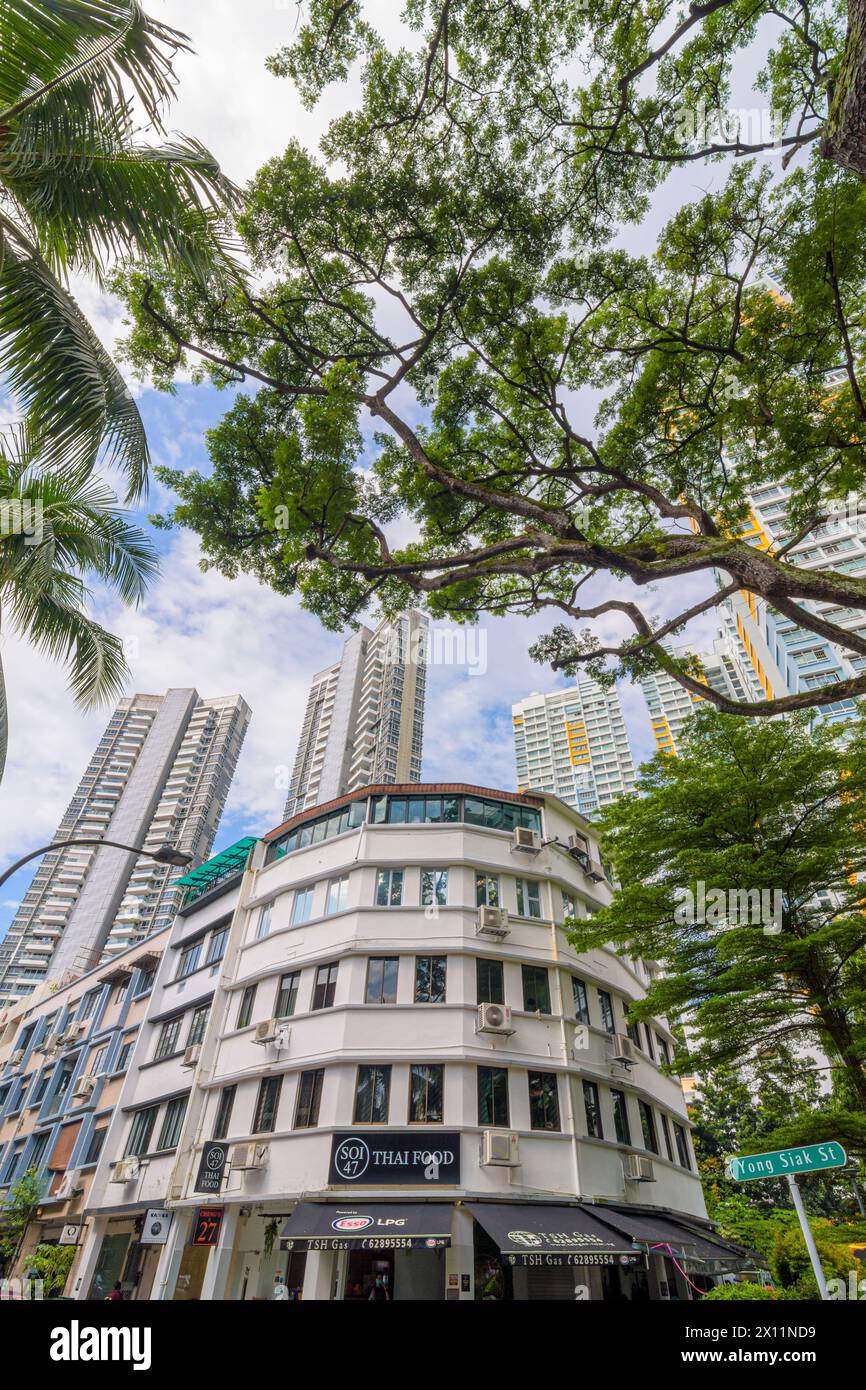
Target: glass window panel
{"type": "Point", "coordinates": [493, 1096]}
{"type": "Point", "coordinates": [382, 980]}
{"type": "Point", "coordinates": [592, 1109]}
{"type": "Point", "coordinates": [620, 1117]}
{"type": "Point", "coordinates": [543, 1100]}
{"type": "Point", "coordinates": [489, 980]}
{"type": "Point", "coordinates": [371, 1095]}
{"type": "Point", "coordinates": [425, 1094]}
{"type": "Point", "coordinates": [536, 989]}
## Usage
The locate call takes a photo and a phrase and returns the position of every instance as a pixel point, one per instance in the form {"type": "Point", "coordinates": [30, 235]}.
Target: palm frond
{"type": "Point", "coordinates": [90, 194]}
{"type": "Point", "coordinates": [57, 625]}
{"type": "Point", "coordinates": [74, 395]}
{"type": "Point", "coordinates": [46, 43]}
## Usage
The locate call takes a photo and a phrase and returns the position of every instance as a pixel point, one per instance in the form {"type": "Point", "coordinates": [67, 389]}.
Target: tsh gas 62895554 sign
{"type": "Point", "coordinates": [379, 1158]}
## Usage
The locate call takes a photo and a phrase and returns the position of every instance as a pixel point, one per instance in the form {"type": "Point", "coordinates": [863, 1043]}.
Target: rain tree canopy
{"type": "Point", "coordinates": [464, 389]}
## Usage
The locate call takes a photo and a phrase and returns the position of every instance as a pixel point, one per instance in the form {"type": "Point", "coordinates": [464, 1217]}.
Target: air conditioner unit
{"type": "Point", "coordinates": [249, 1158]}
{"type": "Point", "coordinates": [83, 1087]}
{"type": "Point", "coordinates": [494, 1018]}
{"type": "Point", "coordinates": [68, 1183]}
{"type": "Point", "coordinates": [17, 1057]}
{"type": "Point", "coordinates": [525, 839]}
{"type": "Point", "coordinates": [499, 1149]}
{"type": "Point", "coordinates": [493, 921]}
{"type": "Point", "coordinates": [125, 1170]}
{"type": "Point", "coordinates": [267, 1032]}
{"type": "Point", "coordinates": [577, 850]}
{"type": "Point", "coordinates": [621, 1049]}
{"type": "Point", "coordinates": [72, 1033]}
{"type": "Point", "coordinates": [191, 1056]}
{"type": "Point", "coordinates": [638, 1169]}
{"type": "Point", "coordinates": [597, 874]}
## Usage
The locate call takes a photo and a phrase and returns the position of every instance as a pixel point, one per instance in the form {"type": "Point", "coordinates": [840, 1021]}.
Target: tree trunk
{"type": "Point", "coordinates": [844, 136]}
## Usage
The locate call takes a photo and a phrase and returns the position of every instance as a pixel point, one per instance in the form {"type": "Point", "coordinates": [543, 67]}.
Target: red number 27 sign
{"type": "Point", "coordinates": [206, 1227]}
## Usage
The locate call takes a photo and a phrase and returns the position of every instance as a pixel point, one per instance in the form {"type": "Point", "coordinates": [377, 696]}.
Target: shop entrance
{"type": "Point", "coordinates": [191, 1274]}
{"type": "Point", "coordinates": [109, 1264]}
{"type": "Point", "coordinates": [364, 1269]}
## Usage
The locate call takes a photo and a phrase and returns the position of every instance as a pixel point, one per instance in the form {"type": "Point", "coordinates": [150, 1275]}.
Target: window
{"type": "Point", "coordinates": [90, 1002]}
{"type": "Point", "coordinates": [490, 985]}
{"type": "Point", "coordinates": [666, 1135]}
{"type": "Point", "coordinates": [581, 1001]}
{"type": "Point", "coordinates": [37, 1149]}
{"type": "Point", "coordinates": [425, 1094]}
{"type": "Point", "coordinates": [125, 1053]}
{"type": "Point", "coordinates": [167, 1043]}
{"type": "Point", "coordinates": [287, 995]}
{"type": "Point", "coordinates": [40, 1088]}
{"type": "Point", "coordinates": [528, 897]}
{"type": "Point", "coordinates": [648, 1125]}
{"type": "Point", "coordinates": [569, 904]}
{"type": "Point", "coordinates": [224, 1111]}
{"type": "Point", "coordinates": [434, 887]}
{"type": "Point", "coordinates": [142, 1129]}
{"type": "Point", "coordinates": [493, 1096]}
{"type": "Point", "coordinates": [263, 921]}
{"type": "Point", "coordinates": [309, 1099]}
{"type": "Point", "coordinates": [486, 891]}
{"type": "Point", "coordinates": [171, 1124]}
{"type": "Point", "coordinates": [620, 1117]}
{"type": "Point", "coordinates": [682, 1145]}
{"type": "Point", "coordinates": [605, 1004]}
{"type": "Point", "coordinates": [94, 1147]}
{"type": "Point", "coordinates": [144, 984]}
{"type": "Point", "coordinates": [664, 1050]}
{"type": "Point", "coordinates": [430, 979]}
{"type": "Point", "coordinates": [389, 888]}
{"type": "Point", "coordinates": [543, 1100]}
{"type": "Point", "coordinates": [372, 1092]}
{"type": "Point", "coordinates": [338, 894]}
{"type": "Point", "coordinates": [216, 948]}
{"type": "Point", "coordinates": [266, 1105]}
{"type": "Point", "coordinates": [648, 1034]}
{"type": "Point", "coordinates": [97, 1061]}
{"type": "Point", "coordinates": [198, 1025]}
{"type": "Point", "coordinates": [634, 1032]}
{"type": "Point", "coordinates": [536, 989]}
{"type": "Point", "coordinates": [302, 907]}
{"type": "Point", "coordinates": [592, 1108]}
{"type": "Point", "coordinates": [325, 987]}
{"type": "Point", "coordinates": [245, 1012]}
{"type": "Point", "coordinates": [382, 980]}
{"type": "Point", "coordinates": [189, 958]}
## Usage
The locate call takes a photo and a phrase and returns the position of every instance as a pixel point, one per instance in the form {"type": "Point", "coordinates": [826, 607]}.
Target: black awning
{"type": "Point", "coordinates": [670, 1235]}
{"type": "Point", "coordinates": [533, 1232]}
{"type": "Point", "coordinates": [371, 1226]}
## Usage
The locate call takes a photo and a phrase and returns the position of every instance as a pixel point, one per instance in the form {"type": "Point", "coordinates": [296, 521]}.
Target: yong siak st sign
{"type": "Point", "coordinates": [381, 1158]}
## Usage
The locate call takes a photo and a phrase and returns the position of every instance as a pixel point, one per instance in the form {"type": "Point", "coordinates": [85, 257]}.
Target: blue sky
{"type": "Point", "coordinates": [224, 637]}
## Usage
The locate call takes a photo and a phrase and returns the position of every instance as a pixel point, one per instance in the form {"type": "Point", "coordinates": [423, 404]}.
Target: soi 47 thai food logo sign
{"type": "Point", "coordinates": [392, 1159]}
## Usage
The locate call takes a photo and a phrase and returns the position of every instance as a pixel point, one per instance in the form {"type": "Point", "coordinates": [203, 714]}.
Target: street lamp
{"type": "Point", "coordinates": [165, 854]}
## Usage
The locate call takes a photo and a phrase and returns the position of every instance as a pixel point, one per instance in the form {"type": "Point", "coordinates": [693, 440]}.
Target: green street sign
{"type": "Point", "coordinates": [786, 1163]}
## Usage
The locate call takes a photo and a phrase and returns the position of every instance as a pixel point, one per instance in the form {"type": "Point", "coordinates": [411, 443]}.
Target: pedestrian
{"type": "Point", "coordinates": [116, 1295]}
{"type": "Point", "coordinates": [378, 1293]}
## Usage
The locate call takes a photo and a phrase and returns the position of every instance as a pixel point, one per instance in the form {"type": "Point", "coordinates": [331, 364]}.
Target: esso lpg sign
{"type": "Point", "coordinates": [352, 1223]}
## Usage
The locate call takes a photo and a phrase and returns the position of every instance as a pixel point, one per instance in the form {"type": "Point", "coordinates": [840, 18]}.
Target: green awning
{"type": "Point", "coordinates": [226, 864]}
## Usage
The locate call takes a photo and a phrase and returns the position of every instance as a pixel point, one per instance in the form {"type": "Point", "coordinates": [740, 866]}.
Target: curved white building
{"type": "Point", "coordinates": [412, 1080]}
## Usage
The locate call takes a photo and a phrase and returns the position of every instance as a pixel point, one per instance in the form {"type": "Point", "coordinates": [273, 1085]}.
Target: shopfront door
{"type": "Point", "coordinates": [109, 1265]}
{"type": "Point", "coordinates": [369, 1276]}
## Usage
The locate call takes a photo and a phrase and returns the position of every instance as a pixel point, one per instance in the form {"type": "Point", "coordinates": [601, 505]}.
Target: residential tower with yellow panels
{"type": "Point", "coordinates": [574, 743]}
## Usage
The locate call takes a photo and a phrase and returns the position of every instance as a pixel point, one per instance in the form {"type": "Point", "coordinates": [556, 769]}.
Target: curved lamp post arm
{"type": "Point", "coordinates": [161, 855]}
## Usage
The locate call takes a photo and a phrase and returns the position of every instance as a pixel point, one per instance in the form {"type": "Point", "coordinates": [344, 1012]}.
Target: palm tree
{"type": "Point", "coordinates": [78, 190]}
{"type": "Point", "coordinates": [57, 527]}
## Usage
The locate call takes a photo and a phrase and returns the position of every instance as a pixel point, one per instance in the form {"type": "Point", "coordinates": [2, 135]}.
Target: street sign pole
{"type": "Point", "coordinates": [808, 1237]}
